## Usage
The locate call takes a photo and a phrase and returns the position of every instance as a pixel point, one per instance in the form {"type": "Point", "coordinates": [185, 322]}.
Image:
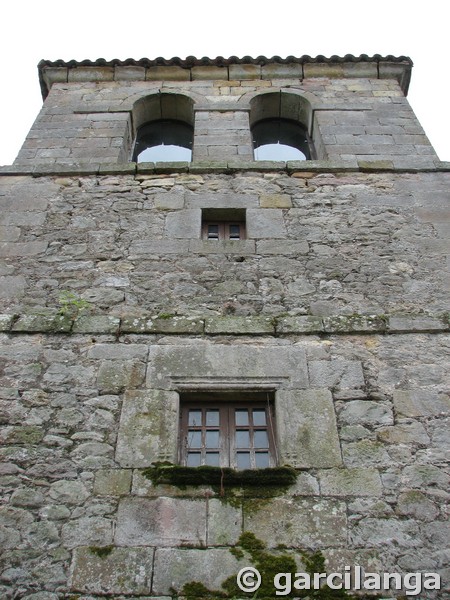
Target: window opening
{"type": "Point", "coordinates": [164, 140]}
{"type": "Point", "coordinates": [223, 224]}
{"type": "Point", "coordinates": [280, 139]}
{"type": "Point", "coordinates": [227, 431]}
{"type": "Point", "coordinates": [223, 231]}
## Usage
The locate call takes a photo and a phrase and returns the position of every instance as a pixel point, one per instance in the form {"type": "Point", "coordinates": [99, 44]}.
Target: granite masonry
{"type": "Point", "coordinates": [114, 307]}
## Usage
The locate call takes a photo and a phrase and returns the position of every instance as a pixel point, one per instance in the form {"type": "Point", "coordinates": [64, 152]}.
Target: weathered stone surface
{"type": "Point", "coordinates": [416, 504]}
{"type": "Point", "coordinates": [148, 428]}
{"type": "Point", "coordinates": [224, 523]}
{"type": "Point", "coordinates": [308, 436]}
{"type": "Point", "coordinates": [115, 376]}
{"type": "Point", "coordinates": [420, 403]}
{"type": "Point", "coordinates": [112, 482]}
{"type": "Point", "coordinates": [161, 522]}
{"type": "Point", "coordinates": [87, 531]}
{"type": "Point", "coordinates": [116, 571]}
{"type": "Point", "coordinates": [239, 325]}
{"type": "Point", "coordinates": [350, 482]}
{"type": "Point", "coordinates": [68, 492]}
{"type": "Point", "coordinates": [176, 566]}
{"type": "Point", "coordinates": [379, 532]}
{"type": "Point", "coordinates": [213, 361]}
{"type": "Point", "coordinates": [298, 522]}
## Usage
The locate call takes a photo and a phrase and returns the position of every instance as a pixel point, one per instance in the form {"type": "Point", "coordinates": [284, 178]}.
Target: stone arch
{"type": "Point", "coordinates": [172, 113]}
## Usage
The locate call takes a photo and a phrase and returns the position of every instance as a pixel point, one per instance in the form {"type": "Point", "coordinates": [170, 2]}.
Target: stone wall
{"type": "Point", "coordinates": [318, 243]}
{"type": "Point", "coordinates": [112, 306]}
{"type": "Point", "coordinates": [364, 417]}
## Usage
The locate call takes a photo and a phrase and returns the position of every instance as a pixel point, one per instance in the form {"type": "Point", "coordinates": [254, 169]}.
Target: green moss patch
{"type": "Point", "coordinates": [268, 565]}
{"type": "Point", "coordinates": [160, 473]}
{"type": "Point", "coordinates": [101, 551]}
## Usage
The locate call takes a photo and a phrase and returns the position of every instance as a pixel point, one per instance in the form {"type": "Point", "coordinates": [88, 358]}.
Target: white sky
{"type": "Point", "coordinates": [54, 29]}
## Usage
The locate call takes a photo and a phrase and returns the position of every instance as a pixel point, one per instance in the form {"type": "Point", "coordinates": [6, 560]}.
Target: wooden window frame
{"type": "Point", "coordinates": [227, 428]}
{"type": "Point", "coordinates": [223, 230]}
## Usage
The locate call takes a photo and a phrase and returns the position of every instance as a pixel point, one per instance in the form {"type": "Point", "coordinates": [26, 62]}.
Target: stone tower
{"type": "Point", "coordinates": [215, 348]}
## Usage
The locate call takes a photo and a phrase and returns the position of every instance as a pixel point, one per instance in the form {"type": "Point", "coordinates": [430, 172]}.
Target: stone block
{"type": "Point", "coordinates": [404, 433]}
{"type": "Point", "coordinates": [338, 373]}
{"type": "Point", "coordinates": [97, 73]}
{"type": "Point", "coordinates": [299, 325]}
{"type": "Point", "coordinates": [12, 286]}
{"type": "Point", "coordinates": [224, 523]}
{"type": "Point", "coordinates": [16, 249]}
{"type": "Point", "coordinates": [267, 223]}
{"type": "Point", "coordinates": [68, 492]}
{"type": "Point", "coordinates": [96, 324]}
{"type": "Point", "coordinates": [297, 522]}
{"type": "Point", "coordinates": [350, 482]}
{"type": "Point", "coordinates": [406, 324]}
{"type": "Point", "coordinates": [87, 531]}
{"type": "Point", "coordinates": [110, 570]}
{"type": "Point", "coordinates": [421, 403]}
{"type": "Point", "coordinates": [275, 201]}
{"type": "Point", "coordinates": [161, 522]}
{"type": "Point", "coordinates": [162, 324]}
{"type": "Point", "coordinates": [221, 200]}
{"type": "Point", "coordinates": [115, 376]}
{"type": "Point", "coordinates": [307, 430]}
{"type": "Point", "coordinates": [239, 325]}
{"type": "Point", "coordinates": [44, 323]}
{"type": "Point", "coordinates": [118, 351]}
{"type": "Point", "coordinates": [112, 482]}
{"type": "Point", "coordinates": [365, 453]}
{"type": "Point", "coordinates": [184, 224]}
{"type": "Point", "coordinates": [129, 73]}
{"type": "Point", "coordinates": [282, 247]}
{"type": "Point", "coordinates": [249, 365]}
{"type": "Point", "coordinates": [373, 533]}
{"type": "Point", "coordinates": [148, 428]}
{"type": "Point", "coordinates": [416, 505]}
{"type": "Point", "coordinates": [222, 247]}
{"type": "Point", "coordinates": [366, 412]}
{"type": "Point", "coordinates": [354, 324]}
{"type": "Point", "coordinates": [246, 72]}
{"type": "Point", "coordinates": [174, 567]}
{"type": "Point", "coordinates": [171, 73]}
{"type": "Point", "coordinates": [173, 200]}
{"type": "Point", "coordinates": [209, 72]}
{"type": "Point", "coordinates": [161, 247]}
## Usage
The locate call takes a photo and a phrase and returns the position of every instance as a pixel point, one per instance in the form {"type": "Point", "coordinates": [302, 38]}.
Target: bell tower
{"type": "Point", "coordinates": [224, 332]}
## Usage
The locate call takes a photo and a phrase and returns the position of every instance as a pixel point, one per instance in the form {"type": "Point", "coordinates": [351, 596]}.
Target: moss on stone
{"type": "Point", "coordinates": [101, 551]}
{"type": "Point", "coordinates": [268, 564]}
{"type": "Point", "coordinates": [167, 473]}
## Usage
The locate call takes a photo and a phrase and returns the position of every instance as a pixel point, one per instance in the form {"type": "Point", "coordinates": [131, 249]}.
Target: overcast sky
{"type": "Point", "coordinates": [54, 29]}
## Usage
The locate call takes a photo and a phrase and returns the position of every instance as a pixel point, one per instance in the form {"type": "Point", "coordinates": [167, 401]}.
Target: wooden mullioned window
{"type": "Point", "coordinates": [227, 432]}
{"type": "Point", "coordinates": [223, 231]}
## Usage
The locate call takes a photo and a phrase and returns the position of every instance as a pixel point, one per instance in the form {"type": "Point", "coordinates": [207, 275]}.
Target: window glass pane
{"type": "Point", "coordinates": [241, 416]}
{"type": "Point", "coordinates": [194, 439]}
{"type": "Point", "coordinates": [235, 231]}
{"type": "Point", "coordinates": [194, 459]}
{"type": "Point", "coordinates": [259, 416]}
{"type": "Point", "coordinates": [212, 459]}
{"type": "Point", "coordinates": [242, 438]}
{"type": "Point", "coordinates": [262, 460]}
{"type": "Point", "coordinates": [212, 439]}
{"type": "Point", "coordinates": [280, 139]}
{"type": "Point", "coordinates": [261, 439]}
{"type": "Point", "coordinates": [243, 460]}
{"type": "Point", "coordinates": [213, 232]}
{"type": "Point", "coordinates": [195, 417]}
{"type": "Point", "coordinates": [212, 418]}
{"type": "Point", "coordinates": [164, 140]}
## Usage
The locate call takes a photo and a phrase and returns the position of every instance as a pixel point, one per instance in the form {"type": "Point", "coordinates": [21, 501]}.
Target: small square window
{"type": "Point", "coordinates": [223, 224]}
{"type": "Point", "coordinates": [227, 430]}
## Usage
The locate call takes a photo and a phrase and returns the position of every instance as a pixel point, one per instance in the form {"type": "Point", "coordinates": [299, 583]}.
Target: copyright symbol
{"type": "Point", "coordinates": [248, 579]}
